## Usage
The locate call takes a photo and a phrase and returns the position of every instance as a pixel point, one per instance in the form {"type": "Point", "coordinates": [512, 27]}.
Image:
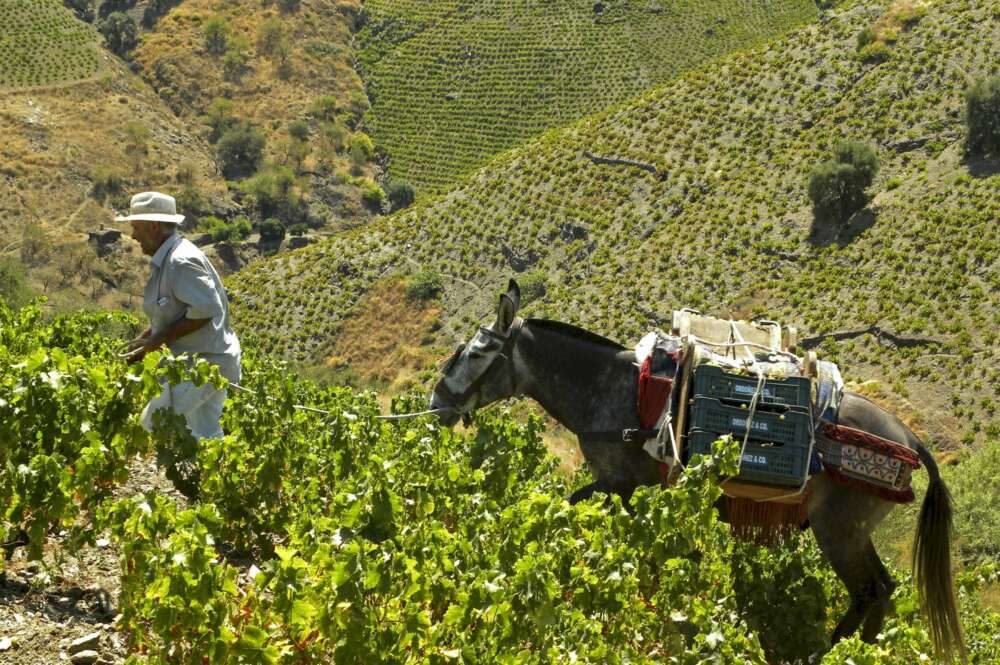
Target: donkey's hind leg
{"type": "Point", "coordinates": [842, 522]}
{"type": "Point", "coordinates": [876, 615]}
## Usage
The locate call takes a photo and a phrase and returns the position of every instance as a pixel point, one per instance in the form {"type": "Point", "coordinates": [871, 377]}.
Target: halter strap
{"type": "Point", "coordinates": [506, 351]}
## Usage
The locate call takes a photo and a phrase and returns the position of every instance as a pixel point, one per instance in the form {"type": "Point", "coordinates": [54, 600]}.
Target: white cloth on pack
{"type": "Point", "coordinates": [184, 284]}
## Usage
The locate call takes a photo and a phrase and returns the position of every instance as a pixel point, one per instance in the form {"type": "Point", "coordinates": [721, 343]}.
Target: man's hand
{"type": "Point", "coordinates": [136, 349]}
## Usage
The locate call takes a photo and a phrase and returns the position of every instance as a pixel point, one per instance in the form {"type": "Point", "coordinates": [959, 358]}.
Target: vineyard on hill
{"type": "Point", "coordinates": [706, 207]}
{"type": "Point", "coordinates": [41, 44]}
{"type": "Point", "coordinates": [454, 83]}
{"type": "Point", "coordinates": [343, 538]}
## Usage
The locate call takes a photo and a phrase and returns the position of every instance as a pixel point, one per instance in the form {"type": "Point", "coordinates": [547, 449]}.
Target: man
{"type": "Point", "coordinates": [188, 313]}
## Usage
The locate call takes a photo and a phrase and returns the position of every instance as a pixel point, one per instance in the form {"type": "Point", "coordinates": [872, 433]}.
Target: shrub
{"type": "Point", "coordinates": [270, 37]}
{"type": "Point", "coordinates": [216, 31]}
{"type": "Point", "coordinates": [119, 32]}
{"type": "Point", "coordinates": [324, 107]}
{"type": "Point", "coordinates": [299, 229]}
{"type": "Point", "coordinates": [865, 37]}
{"type": "Point", "coordinates": [982, 116]}
{"type": "Point", "coordinates": [289, 6]}
{"type": "Point", "coordinates": [299, 129]}
{"type": "Point", "coordinates": [534, 285]}
{"type": "Point", "coordinates": [837, 186]}
{"type": "Point", "coordinates": [371, 194]}
{"type": "Point", "coordinates": [234, 63]}
{"type": "Point", "coordinates": [272, 230]}
{"type": "Point", "coordinates": [239, 149]}
{"type": "Point", "coordinates": [274, 192]}
{"type": "Point", "coordinates": [400, 194]}
{"type": "Point", "coordinates": [877, 51]}
{"type": "Point", "coordinates": [363, 144]}
{"type": "Point", "coordinates": [425, 285]}
{"type": "Point", "coordinates": [220, 230]}
{"type": "Point", "coordinates": [218, 116]}
{"type": "Point", "coordinates": [105, 182]}
{"type": "Point", "coordinates": [13, 282]}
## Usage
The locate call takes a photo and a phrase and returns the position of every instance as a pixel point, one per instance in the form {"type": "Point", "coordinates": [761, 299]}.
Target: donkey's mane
{"type": "Point", "coordinates": [575, 332]}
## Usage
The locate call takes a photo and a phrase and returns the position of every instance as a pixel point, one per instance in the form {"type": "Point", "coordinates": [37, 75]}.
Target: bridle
{"type": "Point", "coordinates": [506, 353]}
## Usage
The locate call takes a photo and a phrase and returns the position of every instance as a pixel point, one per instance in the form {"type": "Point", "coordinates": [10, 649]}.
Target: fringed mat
{"type": "Point", "coordinates": [763, 522]}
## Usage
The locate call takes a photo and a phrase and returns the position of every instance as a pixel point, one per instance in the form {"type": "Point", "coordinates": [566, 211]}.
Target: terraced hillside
{"type": "Point", "coordinates": [42, 44]}
{"type": "Point", "coordinates": [453, 83]}
{"type": "Point", "coordinates": [723, 222]}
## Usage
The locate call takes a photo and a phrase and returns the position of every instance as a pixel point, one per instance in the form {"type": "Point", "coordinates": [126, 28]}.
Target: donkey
{"type": "Point", "coordinates": [589, 384]}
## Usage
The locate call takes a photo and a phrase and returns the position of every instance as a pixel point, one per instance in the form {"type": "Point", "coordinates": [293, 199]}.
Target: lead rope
{"type": "Point", "coordinates": [311, 409]}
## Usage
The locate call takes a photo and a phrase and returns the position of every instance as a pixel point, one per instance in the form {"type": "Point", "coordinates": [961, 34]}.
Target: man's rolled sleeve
{"type": "Point", "coordinates": [194, 286]}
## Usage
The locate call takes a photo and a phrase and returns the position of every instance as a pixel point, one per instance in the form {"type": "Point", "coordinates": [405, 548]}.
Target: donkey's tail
{"type": "Point", "coordinates": [932, 564]}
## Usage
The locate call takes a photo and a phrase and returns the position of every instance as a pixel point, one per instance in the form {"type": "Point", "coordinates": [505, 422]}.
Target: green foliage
{"type": "Point", "coordinates": [239, 149]}
{"type": "Point", "coordinates": [534, 285]}
{"type": "Point", "coordinates": [14, 289]}
{"type": "Point", "coordinates": [216, 32]}
{"type": "Point", "coordinates": [271, 37]}
{"type": "Point", "coordinates": [119, 32]}
{"type": "Point", "coordinates": [425, 285]}
{"type": "Point", "coordinates": [982, 116]}
{"type": "Point", "coordinates": [219, 117]}
{"type": "Point", "coordinates": [235, 61]}
{"type": "Point", "coordinates": [105, 182]}
{"type": "Point", "coordinates": [400, 194]}
{"type": "Point", "coordinates": [324, 107]}
{"type": "Point", "coordinates": [220, 230]}
{"type": "Point", "coordinates": [274, 192]}
{"type": "Point", "coordinates": [397, 541]}
{"type": "Point", "coordinates": [877, 51]}
{"type": "Point", "coordinates": [43, 43]}
{"type": "Point", "coordinates": [299, 129]}
{"type": "Point", "coordinates": [272, 230]}
{"type": "Point", "coordinates": [837, 187]}
{"type": "Point", "coordinates": [371, 193]}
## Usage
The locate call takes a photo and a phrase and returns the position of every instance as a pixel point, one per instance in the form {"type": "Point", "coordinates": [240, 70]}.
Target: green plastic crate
{"type": "Point", "coordinates": [783, 425]}
{"type": "Point", "coordinates": [763, 463]}
{"type": "Point", "coordinates": [713, 381]}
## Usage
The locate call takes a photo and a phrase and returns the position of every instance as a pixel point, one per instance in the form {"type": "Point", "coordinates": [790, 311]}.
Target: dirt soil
{"type": "Point", "coordinates": [46, 605]}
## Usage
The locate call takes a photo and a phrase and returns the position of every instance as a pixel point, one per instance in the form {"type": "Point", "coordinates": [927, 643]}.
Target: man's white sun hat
{"type": "Point", "coordinates": [152, 207]}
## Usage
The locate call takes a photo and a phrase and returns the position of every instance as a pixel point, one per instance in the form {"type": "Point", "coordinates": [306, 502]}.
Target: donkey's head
{"type": "Point", "coordinates": [481, 371]}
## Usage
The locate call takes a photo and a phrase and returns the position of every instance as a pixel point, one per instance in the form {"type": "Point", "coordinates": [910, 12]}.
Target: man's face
{"type": "Point", "coordinates": [148, 235]}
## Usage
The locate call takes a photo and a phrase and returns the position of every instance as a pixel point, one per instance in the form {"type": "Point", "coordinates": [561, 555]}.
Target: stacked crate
{"type": "Point", "coordinates": [777, 449]}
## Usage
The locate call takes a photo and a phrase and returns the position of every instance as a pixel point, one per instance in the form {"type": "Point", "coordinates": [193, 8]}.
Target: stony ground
{"type": "Point", "coordinates": [48, 607]}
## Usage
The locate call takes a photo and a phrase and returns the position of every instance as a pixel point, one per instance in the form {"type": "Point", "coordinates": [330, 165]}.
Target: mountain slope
{"type": "Point", "coordinates": [912, 284]}
{"type": "Point", "coordinates": [288, 69]}
{"type": "Point", "coordinates": [76, 147]}
{"type": "Point", "coordinates": [453, 83]}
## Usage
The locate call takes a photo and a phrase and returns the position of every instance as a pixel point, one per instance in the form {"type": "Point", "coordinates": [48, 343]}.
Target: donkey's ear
{"type": "Point", "coordinates": [509, 302]}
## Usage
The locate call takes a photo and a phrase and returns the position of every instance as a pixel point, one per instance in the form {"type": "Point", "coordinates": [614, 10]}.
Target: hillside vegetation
{"type": "Point", "coordinates": [453, 83]}
{"type": "Point", "coordinates": [41, 44]}
{"type": "Point", "coordinates": [283, 71]}
{"type": "Point", "coordinates": [717, 217]}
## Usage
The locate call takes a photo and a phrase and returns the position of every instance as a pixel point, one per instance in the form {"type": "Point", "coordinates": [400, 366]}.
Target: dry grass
{"type": "Point", "coordinates": [386, 339]}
